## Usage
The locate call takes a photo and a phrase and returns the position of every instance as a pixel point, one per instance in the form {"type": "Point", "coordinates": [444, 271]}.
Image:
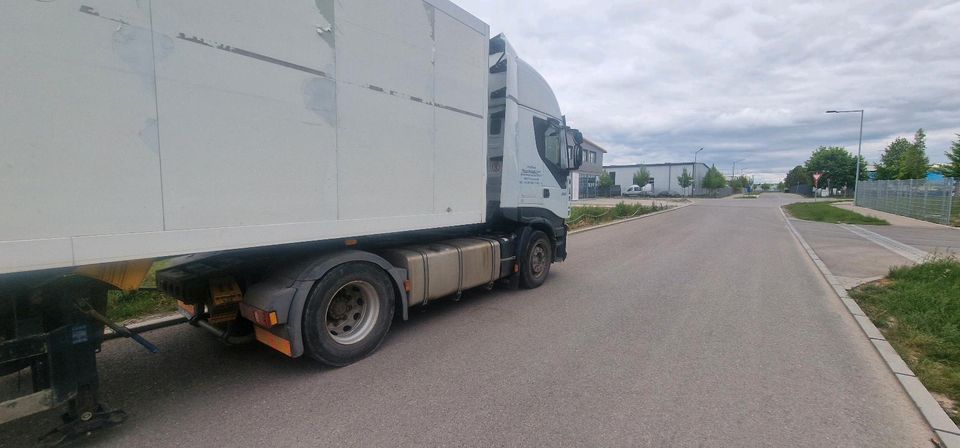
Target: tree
{"type": "Point", "coordinates": [892, 159]}
{"type": "Point", "coordinates": [685, 180]}
{"type": "Point", "coordinates": [642, 176]}
{"type": "Point", "coordinates": [606, 180]}
{"type": "Point", "coordinates": [765, 187]}
{"type": "Point", "coordinates": [839, 164]}
{"type": "Point", "coordinates": [798, 176]}
{"type": "Point", "coordinates": [952, 169]}
{"type": "Point", "coordinates": [914, 164]}
{"type": "Point", "coordinates": [739, 183]}
{"type": "Point", "coordinates": [714, 179]}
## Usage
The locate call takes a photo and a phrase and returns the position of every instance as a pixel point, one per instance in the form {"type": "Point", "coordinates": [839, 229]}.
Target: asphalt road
{"type": "Point", "coordinates": [706, 326]}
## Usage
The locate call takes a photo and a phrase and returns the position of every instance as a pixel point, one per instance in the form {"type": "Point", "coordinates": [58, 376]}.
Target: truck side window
{"type": "Point", "coordinates": [548, 141]}
{"type": "Point", "coordinates": [549, 145]}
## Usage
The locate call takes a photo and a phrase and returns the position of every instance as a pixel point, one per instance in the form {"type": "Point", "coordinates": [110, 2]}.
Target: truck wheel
{"type": "Point", "coordinates": [535, 264]}
{"type": "Point", "coordinates": [348, 314]}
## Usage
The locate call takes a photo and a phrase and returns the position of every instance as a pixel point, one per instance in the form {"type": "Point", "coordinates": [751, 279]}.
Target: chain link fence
{"type": "Point", "coordinates": [929, 200]}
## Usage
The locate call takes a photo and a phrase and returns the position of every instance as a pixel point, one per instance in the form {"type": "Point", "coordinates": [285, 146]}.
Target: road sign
{"type": "Point", "coordinates": [816, 179]}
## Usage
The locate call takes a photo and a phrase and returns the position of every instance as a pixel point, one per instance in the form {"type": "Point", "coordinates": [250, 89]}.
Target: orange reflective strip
{"type": "Point", "coordinates": [273, 341]}
{"type": "Point", "coordinates": [190, 309]}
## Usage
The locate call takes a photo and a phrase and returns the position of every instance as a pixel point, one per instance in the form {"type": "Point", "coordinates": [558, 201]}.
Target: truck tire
{"type": "Point", "coordinates": [348, 314]}
{"type": "Point", "coordinates": [536, 260]}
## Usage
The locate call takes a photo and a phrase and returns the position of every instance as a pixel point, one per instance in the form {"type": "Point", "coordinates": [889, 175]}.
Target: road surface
{"type": "Point", "coordinates": [706, 326]}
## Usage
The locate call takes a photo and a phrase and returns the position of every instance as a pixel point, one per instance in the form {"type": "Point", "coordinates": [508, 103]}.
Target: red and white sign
{"type": "Point", "coordinates": [816, 179]}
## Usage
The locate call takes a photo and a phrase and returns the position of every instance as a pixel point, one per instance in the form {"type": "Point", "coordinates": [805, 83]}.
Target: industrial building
{"type": "Point", "coordinates": [663, 176]}
{"type": "Point", "coordinates": [585, 182]}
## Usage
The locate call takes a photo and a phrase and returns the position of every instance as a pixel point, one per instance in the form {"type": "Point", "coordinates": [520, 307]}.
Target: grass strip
{"type": "Point", "coordinates": [586, 216]}
{"type": "Point", "coordinates": [825, 212]}
{"type": "Point", "coordinates": [917, 308]}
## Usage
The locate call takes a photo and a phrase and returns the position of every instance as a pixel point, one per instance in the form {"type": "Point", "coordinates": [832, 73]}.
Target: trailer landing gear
{"type": "Point", "coordinates": [83, 425]}
{"type": "Point", "coordinates": [55, 332]}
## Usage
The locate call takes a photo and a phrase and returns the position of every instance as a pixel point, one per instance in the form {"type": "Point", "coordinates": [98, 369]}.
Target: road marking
{"type": "Point", "coordinates": [909, 252]}
{"type": "Point", "coordinates": [936, 417]}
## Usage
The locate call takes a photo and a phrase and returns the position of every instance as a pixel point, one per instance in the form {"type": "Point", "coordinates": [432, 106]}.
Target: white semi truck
{"type": "Point", "coordinates": [314, 166]}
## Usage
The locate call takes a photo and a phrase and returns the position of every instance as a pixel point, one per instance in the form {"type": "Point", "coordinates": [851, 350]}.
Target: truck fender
{"type": "Point", "coordinates": [289, 298]}
{"type": "Point", "coordinates": [557, 236]}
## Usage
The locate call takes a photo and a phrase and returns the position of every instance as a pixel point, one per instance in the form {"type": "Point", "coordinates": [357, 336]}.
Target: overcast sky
{"type": "Point", "coordinates": [653, 81]}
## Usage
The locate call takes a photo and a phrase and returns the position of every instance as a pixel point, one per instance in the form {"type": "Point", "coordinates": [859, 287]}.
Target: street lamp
{"type": "Point", "coordinates": [733, 171]}
{"type": "Point", "coordinates": [693, 190]}
{"type": "Point", "coordinates": [856, 180]}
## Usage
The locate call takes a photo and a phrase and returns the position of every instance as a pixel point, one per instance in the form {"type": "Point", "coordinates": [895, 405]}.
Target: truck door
{"type": "Point", "coordinates": [553, 176]}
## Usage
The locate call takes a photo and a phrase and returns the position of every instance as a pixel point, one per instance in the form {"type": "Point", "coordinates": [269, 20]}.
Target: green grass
{"type": "Point", "coordinates": [825, 212]}
{"type": "Point", "coordinates": [587, 216]}
{"type": "Point", "coordinates": [918, 310]}
{"type": "Point", "coordinates": [121, 307]}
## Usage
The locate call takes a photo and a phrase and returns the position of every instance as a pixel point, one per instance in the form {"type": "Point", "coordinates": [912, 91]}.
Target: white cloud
{"type": "Point", "coordinates": [653, 81]}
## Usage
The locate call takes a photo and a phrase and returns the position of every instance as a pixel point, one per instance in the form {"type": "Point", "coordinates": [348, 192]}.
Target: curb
{"type": "Point", "coordinates": [671, 209]}
{"type": "Point", "coordinates": [936, 417]}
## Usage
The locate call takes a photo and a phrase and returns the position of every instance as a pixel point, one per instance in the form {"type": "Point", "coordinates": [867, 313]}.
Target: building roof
{"type": "Point", "coordinates": [638, 165]}
{"type": "Point", "coordinates": [595, 145]}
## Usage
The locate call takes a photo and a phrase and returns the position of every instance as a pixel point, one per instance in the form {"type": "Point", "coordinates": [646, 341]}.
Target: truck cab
{"type": "Point", "coordinates": [531, 151]}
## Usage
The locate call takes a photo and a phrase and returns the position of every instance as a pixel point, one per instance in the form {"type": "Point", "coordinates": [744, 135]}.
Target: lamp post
{"type": "Point", "coordinates": [733, 172]}
{"type": "Point", "coordinates": [693, 190]}
{"type": "Point", "coordinates": [856, 180]}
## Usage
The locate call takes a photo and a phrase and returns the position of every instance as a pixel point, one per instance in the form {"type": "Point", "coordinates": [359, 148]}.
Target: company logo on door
{"type": "Point", "coordinates": [530, 175]}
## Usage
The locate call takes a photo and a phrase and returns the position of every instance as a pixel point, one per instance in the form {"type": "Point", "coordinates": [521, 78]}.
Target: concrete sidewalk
{"type": "Point", "coordinates": [894, 220]}
{"type": "Point", "coordinates": [857, 254]}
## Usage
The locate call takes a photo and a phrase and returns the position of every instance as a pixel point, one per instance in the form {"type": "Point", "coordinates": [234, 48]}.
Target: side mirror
{"type": "Point", "coordinates": [577, 149]}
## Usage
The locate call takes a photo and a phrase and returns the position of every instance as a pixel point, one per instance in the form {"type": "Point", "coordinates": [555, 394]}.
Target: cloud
{"type": "Point", "coordinates": [653, 81]}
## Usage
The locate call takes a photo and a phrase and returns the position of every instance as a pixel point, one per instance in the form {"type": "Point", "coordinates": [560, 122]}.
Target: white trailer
{"type": "Point", "coordinates": [314, 165]}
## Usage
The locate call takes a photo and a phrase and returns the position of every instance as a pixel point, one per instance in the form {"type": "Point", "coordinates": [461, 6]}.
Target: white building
{"type": "Point", "coordinates": [663, 176]}
{"type": "Point", "coordinates": [585, 182]}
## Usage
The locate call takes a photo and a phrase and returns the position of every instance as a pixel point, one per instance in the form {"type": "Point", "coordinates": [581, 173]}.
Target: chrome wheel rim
{"type": "Point", "coordinates": [352, 312]}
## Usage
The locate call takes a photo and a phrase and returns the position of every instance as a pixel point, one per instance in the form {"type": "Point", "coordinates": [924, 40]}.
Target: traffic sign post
{"type": "Point", "coordinates": [816, 184]}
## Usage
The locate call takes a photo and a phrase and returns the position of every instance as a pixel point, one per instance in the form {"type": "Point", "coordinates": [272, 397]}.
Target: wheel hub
{"type": "Point", "coordinates": [538, 260]}
{"type": "Point", "coordinates": [352, 312]}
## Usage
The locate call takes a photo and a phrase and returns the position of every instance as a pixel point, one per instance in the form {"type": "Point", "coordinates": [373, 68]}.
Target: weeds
{"type": "Point", "coordinates": [918, 310]}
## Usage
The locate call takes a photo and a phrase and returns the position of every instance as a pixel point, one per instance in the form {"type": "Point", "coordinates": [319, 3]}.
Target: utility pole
{"type": "Point", "coordinates": [733, 173]}
{"type": "Point", "coordinates": [856, 180]}
{"type": "Point", "coordinates": [694, 189]}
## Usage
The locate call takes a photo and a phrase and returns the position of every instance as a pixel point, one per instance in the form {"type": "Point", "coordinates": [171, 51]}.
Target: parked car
{"type": "Point", "coordinates": [636, 190]}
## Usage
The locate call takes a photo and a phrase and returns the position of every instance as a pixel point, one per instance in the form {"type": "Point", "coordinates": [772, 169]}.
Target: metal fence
{"type": "Point", "coordinates": [934, 201]}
